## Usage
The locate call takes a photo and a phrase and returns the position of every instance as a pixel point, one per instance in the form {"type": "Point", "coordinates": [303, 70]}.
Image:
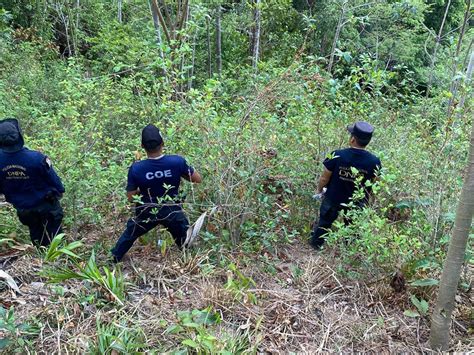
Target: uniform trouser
{"type": "Point", "coordinates": [328, 213]}
{"type": "Point", "coordinates": [43, 221]}
{"type": "Point", "coordinates": [171, 217]}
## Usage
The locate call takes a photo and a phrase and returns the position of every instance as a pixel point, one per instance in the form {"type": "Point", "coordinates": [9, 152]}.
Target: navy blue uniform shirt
{"type": "Point", "coordinates": [26, 177]}
{"type": "Point", "coordinates": [158, 178]}
{"type": "Point", "coordinates": [341, 186]}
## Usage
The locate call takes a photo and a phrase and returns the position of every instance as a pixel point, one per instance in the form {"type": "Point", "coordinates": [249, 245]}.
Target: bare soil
{"type": "Point", "coordinates": [303, 304]}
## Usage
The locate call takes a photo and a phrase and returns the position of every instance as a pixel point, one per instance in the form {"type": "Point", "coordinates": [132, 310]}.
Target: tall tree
{"type": "Point", "coordinates": [159, 41]}
{"type": "Point", "coordinates": [340, 24]}
{"type": "Point", "coordinates": [455, 82]}
{"type": "Point", "coordinates": [64, 21]}
{"type": "Point", "coordinates": [218, 40]}
{"type": "Point", "coordinates": [173, 21]}
{"type": "Point", "coordinates": [119, 11]}
{"type": "Point", "coordinates": [435, 50]}
{"type": "Point", "coordinates": [78, 11]}
{"type": "Point", "coordinates": [209, 53]}
{"type": "Point", "coordinates": [256, 33]}
{"type": "Point", "coordinates": [156, 24]}
{"type": "Point", "coordinates": [441, 319]}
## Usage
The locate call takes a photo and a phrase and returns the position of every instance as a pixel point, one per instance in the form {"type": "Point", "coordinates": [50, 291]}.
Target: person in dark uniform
{"type": "Point", "coordinates": [155, 181]}
{"type": "Point", "coordinates": [30, 184]}
{"type": "Point", "coordinates": [339, 179]}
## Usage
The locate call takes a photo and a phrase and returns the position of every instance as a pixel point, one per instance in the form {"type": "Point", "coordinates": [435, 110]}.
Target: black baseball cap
{"type": "Point", "coordinates": [362, 131]}
{"type": "Point", "coordinates": [151, 137]}
{"type": "Point", "coordinates": [11, 139]}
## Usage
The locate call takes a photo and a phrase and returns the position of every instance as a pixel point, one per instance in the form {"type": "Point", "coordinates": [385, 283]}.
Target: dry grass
{"type": "Point", "coordinates": [309, 310]}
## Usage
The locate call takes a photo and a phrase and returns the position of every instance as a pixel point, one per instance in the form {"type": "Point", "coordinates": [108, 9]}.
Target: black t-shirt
{"type": "Point", "coordinates": [26, 177]}
{"type": "Point", "coordinates": [341, 185]}
{"type": "Point", "coordinates": [159, 177]}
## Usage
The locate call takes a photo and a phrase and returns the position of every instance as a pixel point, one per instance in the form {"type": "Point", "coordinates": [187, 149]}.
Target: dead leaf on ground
{"type": "Point", "coordinates": [10, 281]}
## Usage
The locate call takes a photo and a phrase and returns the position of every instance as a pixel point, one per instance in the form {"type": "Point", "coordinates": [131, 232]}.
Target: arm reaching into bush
{"type": "Point", "coordinates": [195, 177]}
{"type": "Point", "coordinates": [156, 181]}
{"type": "Point", "coordinates": [324, 180]}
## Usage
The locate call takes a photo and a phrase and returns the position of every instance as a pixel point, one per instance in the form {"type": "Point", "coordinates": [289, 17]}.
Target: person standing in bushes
{"type": "Point", "coordinates": [30, 184]}
{"type": "Point", "coordinates": [153, 184]}
{"type": "Point", "coordinates": [339, 178]}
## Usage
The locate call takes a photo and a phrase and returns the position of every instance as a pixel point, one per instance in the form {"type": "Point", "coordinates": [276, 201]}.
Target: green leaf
{"type": "Point", "coordinates": [174, 329]}
{"type": "Point", "coordinates": [421, 305]}
{"type": "Point", "coordinates": [424, 282]}
{"type": "Point", "coordinates": [4, 343]}
{"type": "Point", "coordinates": [191, 325]}
{"type": "Point", "coordinates": [347, 57]}
{"type": "Point", "coordinates": [68, 252]}
{"type": "Point", "coordinates": [206, 317]}
{"type": "Point", "coordinates": [404, 204]}
{"type": "Point", "coordinates": [425, 264]}
{"type": "Point", "coordinates": [411, 314]}
{"type": "Point", "coordinates": [190, 343]}
{"type": "Point", "coordinates": [75, 245]}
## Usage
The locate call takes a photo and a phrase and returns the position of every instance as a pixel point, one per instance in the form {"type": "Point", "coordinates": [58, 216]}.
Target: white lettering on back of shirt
{"type": "Point", "coordinates": [149, 176]}
{"type": "Point", "coordinates": [158, 174]}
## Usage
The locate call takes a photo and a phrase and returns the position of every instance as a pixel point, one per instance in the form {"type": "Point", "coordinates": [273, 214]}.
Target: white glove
{"type": "Point", "coordinates": [320, 195]}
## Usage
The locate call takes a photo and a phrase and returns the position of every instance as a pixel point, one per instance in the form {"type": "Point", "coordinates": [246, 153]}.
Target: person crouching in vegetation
{"type": "Point", "coordinates": [30, 184]}
{"type": "Point", "coordinates": [154, 185]}
{"type": "Point", "coordinates": [339, 178]}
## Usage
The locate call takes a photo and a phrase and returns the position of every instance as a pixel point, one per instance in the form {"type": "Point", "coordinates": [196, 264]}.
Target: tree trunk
{"type": "Point", "coordinates": [445, 304]}
{"type": "Point", "coordinates": [119, 11]}
{"type": "Point", "coordinates": [218, 41]}
{"type": "Point", "coordinates": [66, 30]}
{"type": "Point", "coordinates": [209, 53]}
{"type": "Point", "coordinates": [159, 41]}
{"type": "Point", "coordinates": [156, 25]}
{"type": "Point", "coordinates": [183, 21]}
{"type": "Point", "coordinates": [78, 10]}
{"type": "Point", "coordinates": [193, 61]}
{"type": "Point", "coordinates": [256, 35]}
{"type": "Point", "coordinates": [340, 24]}
{"type": "Point", "coordinates": [454, 83]}
{"type": "Point", "coordinates": [469, 71]}
{"type": "Point", "coordinates": [156, 8]}
{"type": "Point", "coordinates": [172, 18]}
{"type": "Point", "coordinates": [435, 50]}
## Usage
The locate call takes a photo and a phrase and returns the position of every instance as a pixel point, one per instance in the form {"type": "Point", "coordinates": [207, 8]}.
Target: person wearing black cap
{"type": "Point", "coordinates": [30, 184]}
{"type": "Point", "coordinates": [155, 181]}
{"type": "Point", "coordinates": [339, 179]}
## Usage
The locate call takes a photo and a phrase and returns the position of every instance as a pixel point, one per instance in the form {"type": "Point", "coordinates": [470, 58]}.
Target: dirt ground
{"type": "Point", "coordinates": [298, 303]}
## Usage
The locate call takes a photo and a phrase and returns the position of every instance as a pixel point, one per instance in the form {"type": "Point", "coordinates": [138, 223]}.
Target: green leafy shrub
{"type": "Point", "coordinates": [197, 335]}
{"type": "Point", "coordinates": [16, 337]}
{"type": "Point", "coordinates": [382, 237]}
{"type": "Point", "coordinates": [110, 281]}
{"type": "Point", "coordinates": [117, 337]}
{"type": "Point", "coordinates": [58, 248]}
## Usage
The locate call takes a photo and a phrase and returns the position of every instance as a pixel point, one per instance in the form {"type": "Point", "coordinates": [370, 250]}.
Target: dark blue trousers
{"type": "Point", "coordinates": [328, 213]}
{"type": "Point", "coordinates": [171, 217]}
{"type": "Point", "coordinates": [43, 221]}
